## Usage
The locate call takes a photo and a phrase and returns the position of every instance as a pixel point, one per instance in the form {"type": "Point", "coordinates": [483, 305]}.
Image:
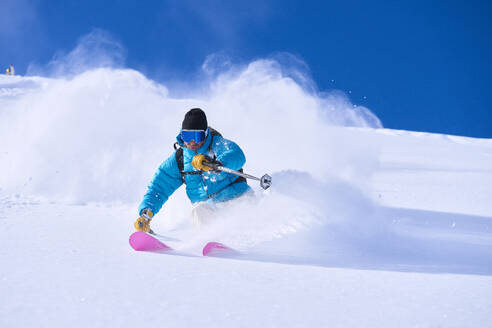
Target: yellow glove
{"type": "Point", "coordinates": [197, 162]}
{"type": "Point", "coordinates": [199, 159]}
{"type": "Point", "coordinates": [143, 222]}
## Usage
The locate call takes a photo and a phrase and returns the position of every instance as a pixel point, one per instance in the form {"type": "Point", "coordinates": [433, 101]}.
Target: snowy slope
{"type": "Point", "coordinates": [364, 226]}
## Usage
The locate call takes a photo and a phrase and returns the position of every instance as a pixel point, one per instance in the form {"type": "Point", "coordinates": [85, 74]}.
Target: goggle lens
{"type": "Point", "coordinates": [196, 135]}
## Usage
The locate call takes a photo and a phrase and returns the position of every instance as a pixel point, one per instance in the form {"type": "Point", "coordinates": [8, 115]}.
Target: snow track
{"type": "Point", "coordinates": [60, 269]}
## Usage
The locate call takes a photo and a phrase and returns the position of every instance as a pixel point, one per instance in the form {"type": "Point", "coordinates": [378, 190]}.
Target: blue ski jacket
{"type": "Point", "coordinates": [207, 186]}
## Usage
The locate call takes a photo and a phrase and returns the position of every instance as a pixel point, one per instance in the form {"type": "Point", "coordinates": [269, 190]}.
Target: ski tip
{"type": "Point", "coordinates": [217, 249]}
{"type": "Point", "coordinates": [141, 241]}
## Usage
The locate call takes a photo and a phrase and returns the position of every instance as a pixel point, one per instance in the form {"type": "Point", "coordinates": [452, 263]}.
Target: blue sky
{"type": "Point", "coordinates": [418, 65]}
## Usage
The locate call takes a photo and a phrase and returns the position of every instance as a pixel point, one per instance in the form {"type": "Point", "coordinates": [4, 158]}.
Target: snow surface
{"type": "Point", "coordinates": [363, 226]}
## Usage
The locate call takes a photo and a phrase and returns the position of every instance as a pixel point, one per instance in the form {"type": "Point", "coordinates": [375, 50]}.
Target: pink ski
{"type": "Point", "coordinates": [217, 249]}
{"type": "Point", "coordinates": [141, 241]}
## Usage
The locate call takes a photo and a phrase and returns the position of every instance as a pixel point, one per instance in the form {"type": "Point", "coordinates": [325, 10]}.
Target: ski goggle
{"type": "Point", "coordinates": [196, 135]}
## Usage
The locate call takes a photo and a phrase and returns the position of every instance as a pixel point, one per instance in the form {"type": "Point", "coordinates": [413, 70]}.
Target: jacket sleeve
{"type": "Point", "coordinates": [165, 181]}
{"type": "Point", "coordinates": [228, 153]}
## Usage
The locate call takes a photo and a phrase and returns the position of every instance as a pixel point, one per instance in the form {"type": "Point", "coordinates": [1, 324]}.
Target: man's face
{"type": "Point", "coordinates": [193, 145]}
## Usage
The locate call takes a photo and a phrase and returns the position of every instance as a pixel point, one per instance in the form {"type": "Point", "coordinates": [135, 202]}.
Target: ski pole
{"type": "Point", "coordinates": [265, 180]}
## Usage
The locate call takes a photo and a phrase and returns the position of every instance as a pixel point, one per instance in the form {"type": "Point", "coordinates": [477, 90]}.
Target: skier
{"type": "Point", "coordinates": [12, 70]}
{"type": "Point", "coordinates": [197, 144]}
{"type": "Point", "coordinates": [7, 71]}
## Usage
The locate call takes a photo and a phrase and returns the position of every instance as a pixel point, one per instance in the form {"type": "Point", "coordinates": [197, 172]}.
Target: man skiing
{"type": "Point", "coordinates": [197, 144]}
